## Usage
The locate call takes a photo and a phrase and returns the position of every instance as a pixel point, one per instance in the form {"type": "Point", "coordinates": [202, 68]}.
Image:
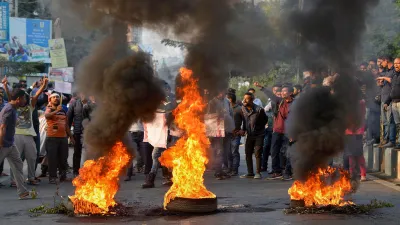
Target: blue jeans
{"type": "Point", "coordinates": [278, 142]}
{"type": "Point", "coordinates": [392, 131]}
{"type": "Point", "coordinates": [217, 148]}
{"type": "Point", "coordinates": [155, 156]}
{"type": "Point", "coordinates": [386, 118]}
{"type": "Point", "coordinates": [234, 156]}
{"type": "Point", "coordinates": [266, 148]}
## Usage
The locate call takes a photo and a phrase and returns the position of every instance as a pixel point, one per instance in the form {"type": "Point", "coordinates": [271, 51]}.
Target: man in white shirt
{"type": "Point", "coordinates": [256, 101]}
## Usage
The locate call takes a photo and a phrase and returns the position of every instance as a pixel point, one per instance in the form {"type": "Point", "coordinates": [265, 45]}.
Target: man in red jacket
{"type": "Point", "coordinates": [279, 139]}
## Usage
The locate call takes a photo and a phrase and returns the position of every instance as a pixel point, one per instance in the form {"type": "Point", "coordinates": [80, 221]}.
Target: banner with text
{"type": "Point", "coordinates": [62, 74]}
{"type": "Point", "coordinates": [58, 54]}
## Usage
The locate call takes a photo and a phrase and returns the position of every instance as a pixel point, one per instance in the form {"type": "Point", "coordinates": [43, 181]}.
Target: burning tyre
{"type": "Point", "coordinates": [187, 205]}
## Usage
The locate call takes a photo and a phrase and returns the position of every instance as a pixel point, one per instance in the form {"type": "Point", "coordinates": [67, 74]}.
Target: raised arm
{"type": "Point", "coordinates": [269, 93]}
{"type": "Point", "coordinates": [39, 92]}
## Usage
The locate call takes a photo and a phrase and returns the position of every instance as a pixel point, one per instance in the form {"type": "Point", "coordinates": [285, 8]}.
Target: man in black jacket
{"type": "Point", "coordinates": [75, 116]}
{"type": "Point", "coordinates": [254, 119]}
{"type": "Point", "coordinates": [394, 98]}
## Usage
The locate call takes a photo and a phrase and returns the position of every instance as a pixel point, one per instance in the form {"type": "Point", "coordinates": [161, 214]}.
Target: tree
{"type": "Point", "coordinates": [19, 69]}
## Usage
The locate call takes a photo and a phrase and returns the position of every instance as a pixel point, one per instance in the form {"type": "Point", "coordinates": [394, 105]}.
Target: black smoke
{"type": "Point", "coordinates": [330, 33]}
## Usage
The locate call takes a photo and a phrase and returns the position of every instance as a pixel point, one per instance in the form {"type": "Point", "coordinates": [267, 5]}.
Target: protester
{"type": "Point", "coordinates": [257, 101]}
{"type": "Point", "coordinates": [386, 112]}
{"type": "Point", "coordinates": [394, 99]}
{"type": "Point", "coordinates": [25, 133]}
{"type": "Point", "coordinates": [8, 150]}
{"type": "Point", "coordinates": [220, 107]}
{"type": "Point", "coordinates": [2, 104]}
{"type": "Point", "coordinates": [75, 117]}
{"type": "Point", "coordinates": [137, 134]}
{"type": "Point", "coordinates": [254, 120]}
{"type": "Point", "coordinates": [58, 132]}
{"type": "Point", "coordinates": [164, 111]}
{"type": "Point", "coordinates": [279, 139]}
{"type": "Point", "coordinates": [234, 155]}
{"type": "Point", "coordinates": [268, 136]}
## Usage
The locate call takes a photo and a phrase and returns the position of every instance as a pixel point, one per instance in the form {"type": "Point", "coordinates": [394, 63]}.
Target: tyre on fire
{"type": "Point", "coordinates": [186, 205]}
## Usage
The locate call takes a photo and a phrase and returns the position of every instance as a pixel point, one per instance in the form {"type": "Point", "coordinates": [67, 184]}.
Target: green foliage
{"type": "Point", "coordinates": [18, 69]}
{"type": "Point", "coordinates": [59, 208]}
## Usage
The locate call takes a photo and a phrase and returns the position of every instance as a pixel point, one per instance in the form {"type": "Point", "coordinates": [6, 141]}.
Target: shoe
{"type": "Point", "coordinates": [287, 178]}
{"type": "Point", "coordinates": [32, 182]}
{"type": "Point", "coordinates": [167, 182]}
{"type": "Point", "coordinates": [52, 180]}
{"type": "Point", "coordinates": [149, 182]}
{"type": "Point", "coordinates": [28, 195]}
{"type": "Point", "coordinates": [371, 142]}
{"type": "Point", "coordinates": [363, 179]}
{"type": "Point", "coordinates": [257, 176]}
{"type": "Point", "coordinates": [140, 169]}
{"type": "Point", "coordinates": [388, 145]}
{"type": "Point", "coordinates": [13, 184]}
{"type": "Point", "coordinates": [222, 176]}
{"type": "Point", "coordinates": [128, 178]}
{"type": "Point", "coordinates": [234, 173]}
{"type": "Point", "coordinates": [382, 143]}
{"type": "Point", "coordinates": [247, 176]}
{"type": "Point", "coordinates": [275, 176]}
{"type": "Point", "coordinates": [271, 172]}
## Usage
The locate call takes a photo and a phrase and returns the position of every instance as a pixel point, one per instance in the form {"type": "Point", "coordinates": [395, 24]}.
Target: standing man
{"type": "Point", "coordinates": [234, 155]}
{"type": "Point", "coordinates": [254, 119]}
{"type": "Point", "coordinates": [257, 101]}
{"type": "Point", "coordinates": [220, 106]}
{"type": "Point", "coordinates": [57, 141]}
{"type": "Point", "coordinates": [385, 80]}
{"type": "Point", "coordinates": [25, 133]}
{"type": "Point", "coordinates": [279, 139]}
{"type": "Point", "coordinates": [75, 116]}
{"type": "Point", "coordinates": [8, 150]}
{"type": "Point", "coordinates": [394, 98]}
{"type": "Point", "coordinates": [137, 134]}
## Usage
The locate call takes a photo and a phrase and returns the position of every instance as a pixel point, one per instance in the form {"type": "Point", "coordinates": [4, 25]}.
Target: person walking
{"type": "Point", "coordinates": [57, 141]}
{"type": "Point", "coordinates": [8, 149]}
{"type": "Point", "coordinates": [137, 134]}
{"type": "Point", "coordinates": [25, 133]}
{"type": "Point", "coordinates": [255, 119]}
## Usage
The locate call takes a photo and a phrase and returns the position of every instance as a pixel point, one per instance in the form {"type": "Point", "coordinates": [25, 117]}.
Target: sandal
{"type": "Point", "coordinates": [32, 182]}
{"type": "Point", "coordinates": [28, 195]}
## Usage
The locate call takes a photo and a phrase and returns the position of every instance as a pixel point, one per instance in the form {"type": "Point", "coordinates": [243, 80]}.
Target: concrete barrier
{"type": "Point", "coordinates": [377, 158]}
{"type": "Point", "coordinates": [369, 156]}
{"type": "Point", "coordinates": [390, 159]}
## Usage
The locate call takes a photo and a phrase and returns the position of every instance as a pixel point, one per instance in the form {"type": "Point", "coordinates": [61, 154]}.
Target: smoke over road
{"type": "Point", "coordinates": [331, 32]}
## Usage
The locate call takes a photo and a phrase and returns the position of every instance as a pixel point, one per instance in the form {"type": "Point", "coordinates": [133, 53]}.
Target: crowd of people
{"type": "Point", "coordinates": [35, 125]}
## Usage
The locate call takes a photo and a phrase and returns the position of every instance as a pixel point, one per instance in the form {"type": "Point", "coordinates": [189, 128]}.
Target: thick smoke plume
{"type": "Point", "coordinates": [223, 36]}
{"type": "Point", "coordinates": [125, 91]}
{"type": "Point", "coordinates": [330, 33]}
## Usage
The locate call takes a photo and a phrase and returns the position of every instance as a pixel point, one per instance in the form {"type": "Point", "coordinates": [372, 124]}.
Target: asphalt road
{"type": "Point", "coordinates": [241, 201]}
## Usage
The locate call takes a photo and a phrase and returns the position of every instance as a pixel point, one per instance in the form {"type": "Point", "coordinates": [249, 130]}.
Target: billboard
{"type": "Point", "coordinates": [29, 40]}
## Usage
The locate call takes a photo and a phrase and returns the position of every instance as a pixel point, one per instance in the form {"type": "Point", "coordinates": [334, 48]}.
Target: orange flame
{"type": "Point", "coordinates": [188, 156]}
{"type": "Point", "coordinates": [97, 183]}
{"type": "Point", "coordinates": [315, 191]}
